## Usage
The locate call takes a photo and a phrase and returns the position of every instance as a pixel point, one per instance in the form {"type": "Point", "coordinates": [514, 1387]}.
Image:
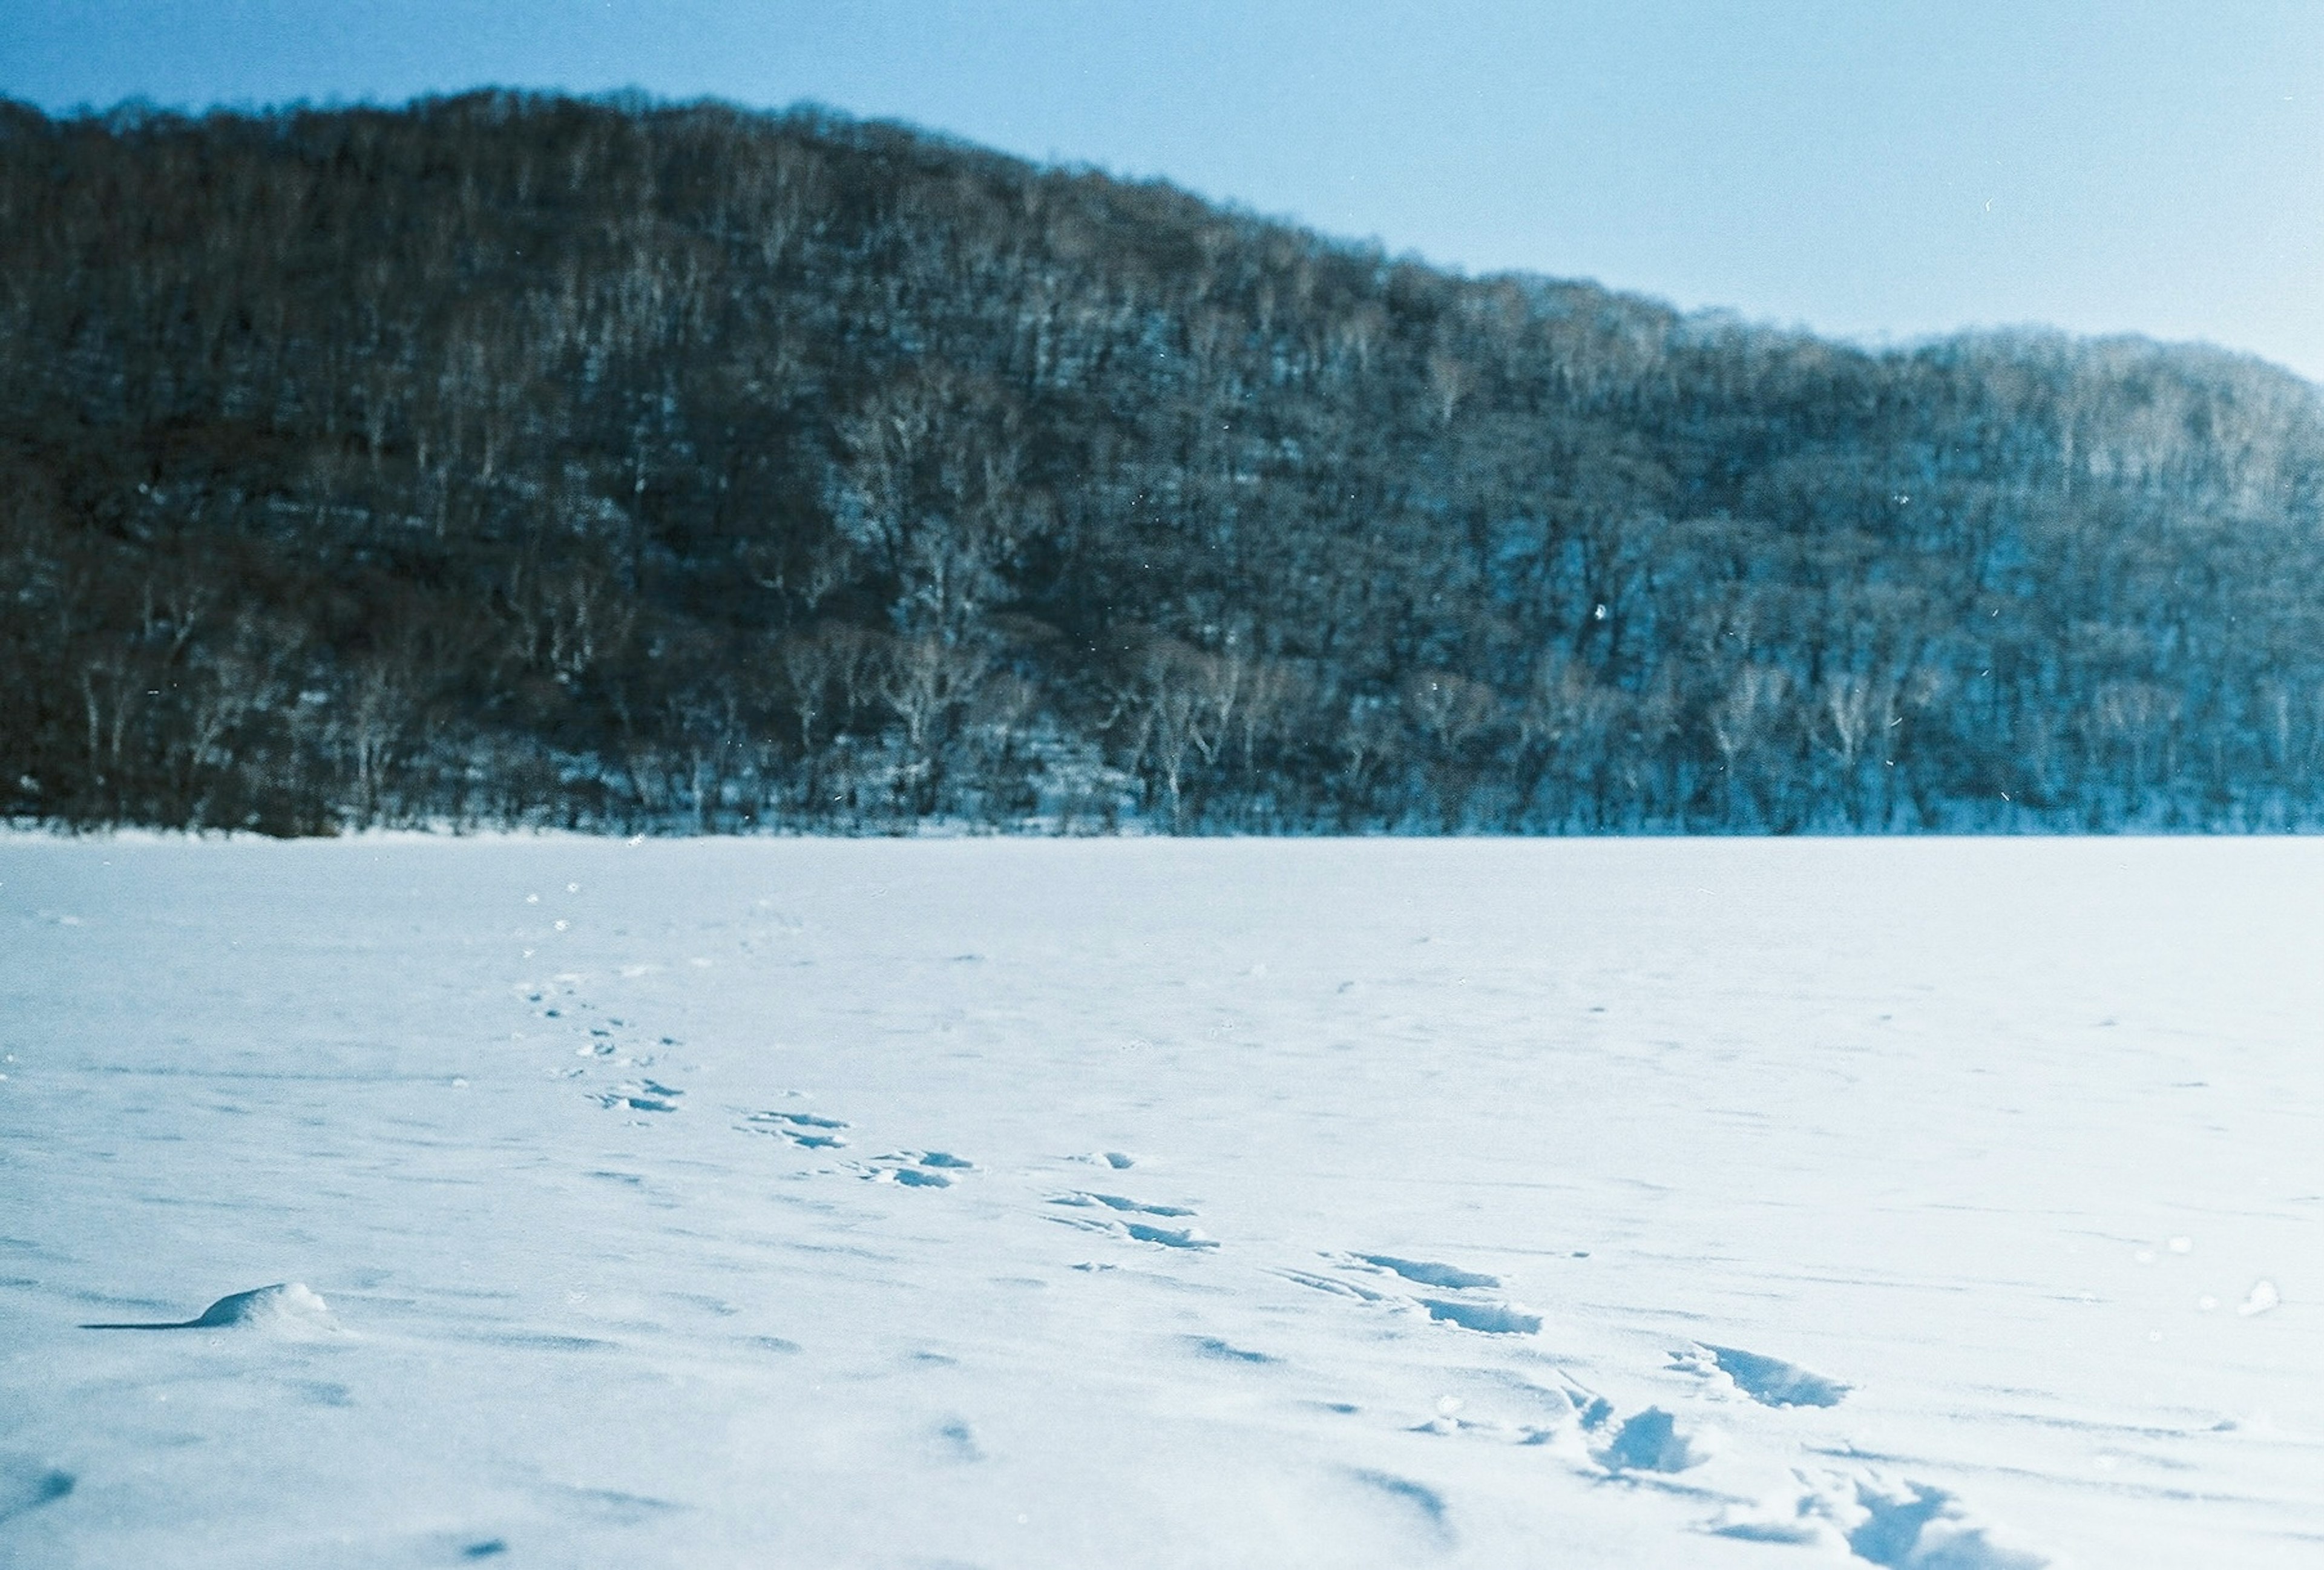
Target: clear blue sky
{"type": "Point", "coordinates": [1876, 167]}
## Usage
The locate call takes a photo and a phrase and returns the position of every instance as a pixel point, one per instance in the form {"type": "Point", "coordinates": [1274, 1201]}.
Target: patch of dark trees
{"type": "Point", "coordinates": [508, 460]}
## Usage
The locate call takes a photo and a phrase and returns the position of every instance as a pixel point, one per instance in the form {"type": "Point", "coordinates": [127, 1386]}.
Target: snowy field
{"type": "Point", "coordinates": [1923, 1203]}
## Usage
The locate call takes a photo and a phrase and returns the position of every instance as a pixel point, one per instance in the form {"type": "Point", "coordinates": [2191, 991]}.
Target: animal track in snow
{"type": "Point", "coordinates": [1899, 1525]}
{"type": "Point", "coordinates": [1478, 1314]}
{"type": "Point", "coordinates": [1332, 1285]}
{"type": "Point", "coordinates": [1768, 1381]}
{"type": "Point", "coordinates": [639, 1095]}
{"type": "Point", "coordinates": [1181, 1237]}
{"type": "Point", "coordinates": [1493, 1318]}
{"type": "Point", "coordinates": [1168, 1237]}
{"type": "Point", "coordinates": [804, 1129]}
{"type": "Point", "coordinates": [1427, 1274]}
{"type": "Point", "coordinates": [1650, 1440]}
{"type": "Point", "coordinates": [1116, 1201]}
{"type": "Point", "coordinates": [814, 1132]}
{"type": "Point", "coordinates": [915, 1169]}
{"type": "Point", "coordinates": [600, 1044]}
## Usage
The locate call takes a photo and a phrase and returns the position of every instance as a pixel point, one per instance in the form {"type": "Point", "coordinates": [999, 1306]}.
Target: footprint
{"type": "Point", "coordinates": [1427, 1274]}
{"type": "Point", "coordinates": [1768, 1381]}
{"type": "Point", "coordinates": [1494, 1318]}
{"type": "Point", "coordinates": [804, 1129]}
{"type": "Point", "coordinates": [1913, 1525]}
{"type": "Point", "coordinates": [1184, 1237]}
{"type": "Point", "coordinates": [1116, 1201]}
{"type": "Point", "coordinates": [803, 1119]}
{"type": "Point", "coordinates": [1338, 1288]}
{"type": "Point", "coordinates": [639, 1095]}
{"type": "Point", "coordinates": [1901, 1525]}
{"type": "Point", "coordinates": [1649, 1441]}
{"type": "Point", "coordinates": [915, 1169]}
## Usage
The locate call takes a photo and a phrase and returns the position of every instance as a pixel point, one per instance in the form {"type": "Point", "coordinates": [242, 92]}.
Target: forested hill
{"type": "Point", "coordinates": [507, 459]}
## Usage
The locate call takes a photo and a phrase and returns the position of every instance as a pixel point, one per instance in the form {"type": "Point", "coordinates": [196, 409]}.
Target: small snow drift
{"type": "Point", "coordinates": [1427, 1273]}
{"type": "Point", "coordinates": [1494, 1318]}
{"type": "Point", "coordinates": [26, 1485]}
{"type": "Point", "coordinates": [284, 1307]}
{"type": "Point", "coordinates": [1770, 1380]}
{"type": "Point", "coordinates": [1650, 1442]}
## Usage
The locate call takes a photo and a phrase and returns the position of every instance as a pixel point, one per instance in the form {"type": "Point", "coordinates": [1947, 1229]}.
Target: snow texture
{"type": "Point", "coordinates": [1926, 1204]}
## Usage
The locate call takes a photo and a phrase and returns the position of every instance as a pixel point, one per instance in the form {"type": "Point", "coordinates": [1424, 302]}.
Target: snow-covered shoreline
{"type": "Point", "coordinates": [1148, 1202]}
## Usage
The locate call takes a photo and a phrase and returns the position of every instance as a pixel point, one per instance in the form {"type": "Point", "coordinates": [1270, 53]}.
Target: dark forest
{"type": "Point", "coordinates": [520, 460]}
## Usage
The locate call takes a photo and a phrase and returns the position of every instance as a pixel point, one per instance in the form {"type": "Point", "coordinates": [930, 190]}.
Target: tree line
{"type": "Point", "coordinates": [518, 460]}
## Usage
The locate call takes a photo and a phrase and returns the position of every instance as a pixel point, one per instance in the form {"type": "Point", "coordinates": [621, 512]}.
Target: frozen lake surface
{"type": "Point", "coordinates": [1924, 1203]}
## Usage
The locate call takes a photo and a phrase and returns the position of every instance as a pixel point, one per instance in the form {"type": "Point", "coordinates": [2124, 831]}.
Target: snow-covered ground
{"type": "Point", "coordinates": [1948, 1205]}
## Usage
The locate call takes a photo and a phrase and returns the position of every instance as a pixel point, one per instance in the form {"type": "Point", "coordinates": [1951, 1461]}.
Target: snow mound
{"type": "Point", "coordinates": [285, 1309]}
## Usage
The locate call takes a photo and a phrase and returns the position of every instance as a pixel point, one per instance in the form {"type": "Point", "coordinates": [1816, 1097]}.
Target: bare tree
{"type": "Point", "coordinates": [1744, 717]}
{"type": "Point", "coordinates": [923, 680]}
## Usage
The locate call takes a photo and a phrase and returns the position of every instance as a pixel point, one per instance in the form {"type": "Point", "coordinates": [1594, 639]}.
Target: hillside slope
{"type": "Point", "coordinates": [522, 459]}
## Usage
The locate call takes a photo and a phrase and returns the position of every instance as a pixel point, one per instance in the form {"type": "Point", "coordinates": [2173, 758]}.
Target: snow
{"type": "Point", "coordinates": [1920, 1204]}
